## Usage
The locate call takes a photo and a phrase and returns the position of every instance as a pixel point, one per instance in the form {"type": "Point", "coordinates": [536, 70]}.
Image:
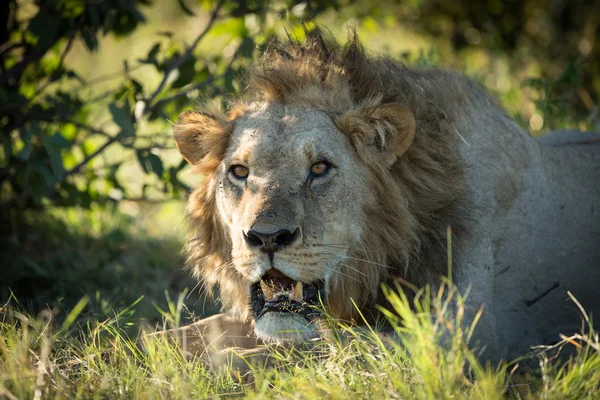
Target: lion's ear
{"type": "Point", "coordinates": [202, 138]}
{"type": "Point", "coordinates": [395, 127]}
{"type": "Point", "coordinates": [388, 128]}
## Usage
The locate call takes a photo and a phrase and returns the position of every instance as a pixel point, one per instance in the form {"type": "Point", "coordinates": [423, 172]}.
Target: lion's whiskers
{"type": "Point", "coordinates": [361, 260]}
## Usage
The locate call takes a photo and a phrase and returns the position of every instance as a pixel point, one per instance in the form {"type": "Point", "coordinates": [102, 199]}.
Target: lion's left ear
{"type": "Point", "coordinates": [387, 128]}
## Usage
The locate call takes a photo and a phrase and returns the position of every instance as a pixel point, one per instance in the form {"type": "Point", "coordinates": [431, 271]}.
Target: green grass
{"type": "Point", "coordinates": [86, 284]}
{"type": "Point", "coordinates": [51, 259]}
{"type": "Point", "coordinates": [100, 359]}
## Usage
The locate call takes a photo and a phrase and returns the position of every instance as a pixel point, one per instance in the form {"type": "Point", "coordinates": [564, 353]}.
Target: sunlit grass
{"type": "Point", "coordinates": [428, 357]}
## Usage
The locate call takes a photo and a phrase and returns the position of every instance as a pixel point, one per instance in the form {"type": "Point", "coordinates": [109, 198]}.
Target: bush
{"type": "Point", "coordinates": [52, 150]}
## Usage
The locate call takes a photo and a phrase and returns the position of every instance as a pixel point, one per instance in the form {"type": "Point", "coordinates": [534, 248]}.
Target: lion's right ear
{"type": "Point", "coordinates": [380, 133]}
{"type": "Point", "coordinates": [202, 138]}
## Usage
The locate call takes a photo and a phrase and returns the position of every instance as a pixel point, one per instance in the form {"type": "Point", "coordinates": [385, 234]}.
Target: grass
{"type": "Point", "coordinates": [88, 357]}
{"type": "Point", "coordinates": [113, 257]}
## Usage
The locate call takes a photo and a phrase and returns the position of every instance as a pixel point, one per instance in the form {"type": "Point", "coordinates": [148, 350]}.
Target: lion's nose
{"type": "Point", "coordinates": [271, 242]}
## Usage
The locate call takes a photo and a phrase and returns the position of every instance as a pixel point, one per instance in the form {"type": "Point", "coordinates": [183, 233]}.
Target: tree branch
{"type": "Point", "coordinates": [198, 85]}
{"type": "Point", "coordinates": [27, 192]}
{"type": "Point", "coordinates": [177, 63]}
{"type": "Point", "coordinates": [62, 58]}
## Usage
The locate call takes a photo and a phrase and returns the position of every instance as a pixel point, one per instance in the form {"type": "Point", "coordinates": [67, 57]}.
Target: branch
{"type": "Point", "coordinates": [62, 58]}
{"type": "Point", "coordinates": [89, 158]}
{"type": "Point", "coordinates": [177, 63]}
{"type": "Point", "coordinates": [17, 70]}
{"type": "Point", "coordinates": [27, 192]}
{"type": "Point", "coordinates": [108, 77]}
{"type": "Point", "coordinates": [177, 95]}
{"type": "Point", "coordinates": [199, 85]}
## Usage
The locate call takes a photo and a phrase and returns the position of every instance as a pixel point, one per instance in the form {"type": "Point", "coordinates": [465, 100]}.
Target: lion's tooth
{"type": "Point", "coordinates": [267, 290]}
{"type": "Point", "coordinates": [298, 294]}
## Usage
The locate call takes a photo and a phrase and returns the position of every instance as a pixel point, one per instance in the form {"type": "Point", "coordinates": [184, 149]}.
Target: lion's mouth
{"type": "Point", "coordinates": [276, 292]}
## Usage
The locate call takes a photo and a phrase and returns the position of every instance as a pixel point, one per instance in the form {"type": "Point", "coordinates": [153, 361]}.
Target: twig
{"type": "Point", "coordinates": [110, 76]}
{"type": "Point", "coordinates": [89, 158]}
{"type": "Point", "coordinates": [8, 46]}
{"type": "Point", "coordinates": [62, 59]}
{"type": "Point", "coordinates": [27, 192]}
{"type": "Point", "coordinates": [198, 85]}
{"type": "Point", "coordinates": [177, 63]}
{"type": "Point", "coordinates": [55, 120]}
{"type": "Point", "coordinates": [182, 93]}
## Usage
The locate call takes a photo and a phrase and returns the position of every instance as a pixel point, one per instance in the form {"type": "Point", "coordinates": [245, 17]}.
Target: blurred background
{"type": "Point", "coordinates": [92, 190]}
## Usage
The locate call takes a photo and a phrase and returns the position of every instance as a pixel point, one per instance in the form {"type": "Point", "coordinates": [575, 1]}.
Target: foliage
{"type": "Point", "coordinates": [52, 149]}
{"type": "Point", "coordinates": [551, 98]}
{"type": "Point", "coordinates": [66, 143]}
{"type": "Point", "coordinates": [558, 33]}
{"type": "Point", "coordinates": [53, 259]}
{"type": "Point", "coordinates": [101, 360]}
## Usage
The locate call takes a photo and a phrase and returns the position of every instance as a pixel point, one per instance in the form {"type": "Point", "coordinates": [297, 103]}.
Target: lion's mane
{"type": "Point", "coordinates": [412, 203]}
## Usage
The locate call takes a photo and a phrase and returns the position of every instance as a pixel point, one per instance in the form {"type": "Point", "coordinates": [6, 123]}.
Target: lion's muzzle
{"type": "Point", "coordinates": [276, 292]}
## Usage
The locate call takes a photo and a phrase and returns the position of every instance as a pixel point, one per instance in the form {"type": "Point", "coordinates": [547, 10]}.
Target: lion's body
{"type": "Point", "coordinates": [406, 153]}
{"type": "Point", "coordinates": [537, 235]}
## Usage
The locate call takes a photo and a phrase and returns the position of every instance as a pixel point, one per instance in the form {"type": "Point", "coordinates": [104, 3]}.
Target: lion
{"type": "Point", "coordinates": [337, 172]}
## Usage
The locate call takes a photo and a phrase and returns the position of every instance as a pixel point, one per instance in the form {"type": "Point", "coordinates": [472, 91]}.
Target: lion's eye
{"type": "Point", "coordinates": [239, 171]}
{"type": "Point", "coordinates": [319, 168]}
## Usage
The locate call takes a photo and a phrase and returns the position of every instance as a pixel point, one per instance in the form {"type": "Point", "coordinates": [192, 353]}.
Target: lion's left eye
{"type": "Point", "coordinates": [319, 169]}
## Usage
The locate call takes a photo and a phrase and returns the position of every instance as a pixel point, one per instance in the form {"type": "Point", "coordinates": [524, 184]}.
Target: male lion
{"type": "Point", "coordinates": [338, 172]}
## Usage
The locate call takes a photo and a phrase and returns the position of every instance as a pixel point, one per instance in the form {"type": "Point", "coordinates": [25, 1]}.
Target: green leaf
{"type": "Point", "coordinates": [142, 159]}
{"type": "Point", "coordinates": [89, 37]}
{"type": "Point", "coordinates": [36, 268]}
{"type": "Point", "coordinates": [53, 145]}
{"type": "Point", "coordinates": [123, 118]}
{"type": "Point", "coordinates": [47, 175]}
{"type": "Point", "coordinates": [156, 164]}
{"type": "Point", "coordinates": [186, 9]}
{"type": "Point", "coordinates": [59, 141]}
{"type": "Point", "coordinates": [151, 57]}
{"type": "Point", "coordinates": [186, 73]}
{"type": "Point", "coordinates": [534, 83]}
{"type": "Point", "coordinates": [25, 152]}
{"type": "Point", "coordinates": [45, 26]}
{"type": "Point", "coordinates": [74, 313]}
{"type": "Point", "coordinates": [233, 27]}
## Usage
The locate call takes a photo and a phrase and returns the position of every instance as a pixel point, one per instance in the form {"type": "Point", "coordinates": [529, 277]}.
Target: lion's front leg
{"type": "Point", "coordinates": [212, 335]}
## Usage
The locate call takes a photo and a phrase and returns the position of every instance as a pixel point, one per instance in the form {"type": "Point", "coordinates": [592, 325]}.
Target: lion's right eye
{"type": "Point", "coordinates": [239, 171]}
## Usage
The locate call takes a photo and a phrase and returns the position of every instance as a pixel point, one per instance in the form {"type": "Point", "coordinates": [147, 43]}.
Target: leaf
{"type": "Point", "coordinates": [25, 152]}
{"type": "Point", "coordinates": [53, 145]}
{"type": "Point", "coordinates": [534, 83]}
{"type": "Point", "coordinates": [136, 87]}
{"type": "Point", "coordinates": [74, 313]}
{"type": "Point", "coordinates": [36, 268]}
{"type": "Point", "coordinates": [151, 57]}
{"type": "Point", "coordinates": [123, 118]}
{"type": "Point", "coordinates": [59, 141]}
{"type": "Point", "coordinates": [156, 164]}
{"type": "Point", "coordinates": [45, 26]}
{"type": "Point", "coordinates": [141, 156]}
{"type": "Point", "coordinates": [47, 175]}
{"type": "Point", "coordinates": [185, 9]}
{"type": "Point", "coordinates": [233, 27]}
{"type": "Point", "coordinates": [90, 39]}
{"type": "Point", "coordinates": [186, 73]}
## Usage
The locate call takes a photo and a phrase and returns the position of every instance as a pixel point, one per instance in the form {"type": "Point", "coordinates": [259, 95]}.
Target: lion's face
{"type": "Point", "coordinates": [298, 206]}
{"type": "Point", "coordinates": [291, 194]}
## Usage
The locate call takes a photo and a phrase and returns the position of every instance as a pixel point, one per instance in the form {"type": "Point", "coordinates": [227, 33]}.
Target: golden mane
{"type": "Point", "coordinates": [413, 202]}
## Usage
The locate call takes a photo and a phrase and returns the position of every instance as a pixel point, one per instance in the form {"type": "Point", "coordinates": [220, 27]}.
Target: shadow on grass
{"type": "Point", "coordinates": [53, 259]}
